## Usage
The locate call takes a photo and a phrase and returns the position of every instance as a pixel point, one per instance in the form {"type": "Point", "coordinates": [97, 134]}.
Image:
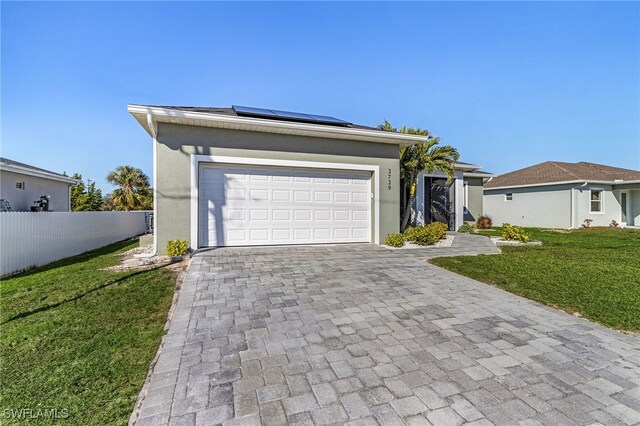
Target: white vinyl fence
{"type": "Point", "coordinates": [35, 239]}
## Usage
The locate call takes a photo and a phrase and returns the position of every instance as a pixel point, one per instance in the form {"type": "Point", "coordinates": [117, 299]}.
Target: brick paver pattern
{"type": "Point", "coordinates": [360, 334]}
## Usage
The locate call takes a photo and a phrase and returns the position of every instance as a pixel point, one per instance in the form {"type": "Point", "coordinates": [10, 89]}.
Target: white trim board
{"type": "Point", "coordinates": [196, 159]}
{"type": "Point", "coordinates": [192, 118]}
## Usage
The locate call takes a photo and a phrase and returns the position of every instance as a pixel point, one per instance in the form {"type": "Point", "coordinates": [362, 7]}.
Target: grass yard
{"type": "Point", "coordinates": [80, 339]}
{"type": "Point", "coordinates": [595, 272]}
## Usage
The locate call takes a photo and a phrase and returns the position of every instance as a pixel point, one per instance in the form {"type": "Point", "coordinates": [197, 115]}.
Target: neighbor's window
{"type": "Point", "coordinates": [508, 197]}
{"type": "Point", "coordinates": [596, 201]}
{"type": "Point", "coordinates": [19, 185]}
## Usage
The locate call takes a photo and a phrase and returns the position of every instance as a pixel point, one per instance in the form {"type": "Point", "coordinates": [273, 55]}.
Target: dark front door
{"type": "Point", "coordinates": [436, 200]}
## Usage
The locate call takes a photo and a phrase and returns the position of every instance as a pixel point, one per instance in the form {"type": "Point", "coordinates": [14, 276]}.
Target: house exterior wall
{"type": "Point", "coordinates": [474, 207]}
{"type": "Point", "coordinates": [35, 187]}
{"type": "Point", "coordinates": [177, 143]}
{"type": "Point", "coordinates": [611, 206]}
{"type": "Point", "coordinates": [552, 206]}
{"type": "Point", "coordinates": [544, 206]}
{"type": "Point", "coordinates": [634, 219]}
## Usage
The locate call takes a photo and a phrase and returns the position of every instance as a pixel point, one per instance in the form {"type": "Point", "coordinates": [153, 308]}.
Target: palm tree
{"type": "Point", "coordinates": [427, 156]}
{"type": "Point", "coordinates": [133, 188]}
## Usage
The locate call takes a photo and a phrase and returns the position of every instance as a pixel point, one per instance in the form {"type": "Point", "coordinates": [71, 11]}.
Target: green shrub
{"type": "Point", "coordinates": [426, 236]}
{"type": "Point", "coordinates": [467, 227]}
{"type": "Point", "coordinates": [514, 233]}
{"type": "Point", "coordinates": [438, 228]}
{"type": "Point", "coordinates": [177, 247]}
{"type": "Point", "coordinates": [411, 232]}
{"type": "Point", "coordinates": [394, 240]}
{"type": "Point", "coordinates": [484, 222]}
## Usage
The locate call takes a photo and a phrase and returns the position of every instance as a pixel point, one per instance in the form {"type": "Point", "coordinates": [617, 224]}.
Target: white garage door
{"type": "Point", "coordinates": [253, 205]}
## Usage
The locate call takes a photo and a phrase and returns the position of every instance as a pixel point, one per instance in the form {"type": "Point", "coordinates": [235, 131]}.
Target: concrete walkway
{"type": "Point", "coordinates": [360, 334]}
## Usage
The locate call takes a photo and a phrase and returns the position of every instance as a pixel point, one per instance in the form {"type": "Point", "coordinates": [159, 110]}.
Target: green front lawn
{"type": "Point", "coordinates": [595, 272]}
{"type": "Point", "coordinates": [80, 339]}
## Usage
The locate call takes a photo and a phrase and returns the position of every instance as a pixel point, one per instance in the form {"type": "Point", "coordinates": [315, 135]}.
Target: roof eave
{"type": "Point", "coordinates": [583, 181]}
{"type": "Point", "coordinates": [12, 168]}
{"type": "Point", "coordinates": [478, 174]}
{"type": "Point", "coordinates": [165, 115]}
{"type": "Point", "coordinates": [467, 167]}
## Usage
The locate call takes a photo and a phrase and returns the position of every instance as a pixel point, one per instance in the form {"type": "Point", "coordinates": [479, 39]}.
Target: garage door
{"type": "Point", "coordinates": [254, 205]}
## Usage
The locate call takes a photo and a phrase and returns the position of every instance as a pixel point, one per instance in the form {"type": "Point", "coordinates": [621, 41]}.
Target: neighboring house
{"type": "Point", "coordinates": [453, 203]}
{"type": "Point", "coordinates": [247, 176]}
{"type": "Point", "coordinates": [22, 185]}
{"type": "Point", "coordinates": [563, 195]}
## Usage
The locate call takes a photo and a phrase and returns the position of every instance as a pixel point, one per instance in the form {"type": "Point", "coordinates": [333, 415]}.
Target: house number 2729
{"type": "Point", "coordinates": [389, 179]}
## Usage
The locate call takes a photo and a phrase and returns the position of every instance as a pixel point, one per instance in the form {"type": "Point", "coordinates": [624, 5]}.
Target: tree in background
{"type": "Point", "coordinates": [427, 156]}
{"type": "Point", "coordinates": [85, 198]}
{"type": "Point", "coordinates": [133, 192]}
{"type": "Point", "coordinates": [107, 203]}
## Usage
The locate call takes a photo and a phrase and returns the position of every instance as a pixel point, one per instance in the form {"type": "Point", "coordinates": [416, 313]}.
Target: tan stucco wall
{"type": "Point", "coordinates": [474, 199]}
{"type": "Point", "coordinates": [176, 144]}
{"type": "Point", "coordinates": [35, 187]}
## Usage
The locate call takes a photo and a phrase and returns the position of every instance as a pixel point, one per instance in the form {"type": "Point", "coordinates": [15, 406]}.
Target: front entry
{"type": "Point", "coordinates": [437, 201]}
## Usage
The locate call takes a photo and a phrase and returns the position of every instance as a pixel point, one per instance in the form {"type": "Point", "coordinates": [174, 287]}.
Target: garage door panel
{"type": "Point", "coordinates": [322, 196]}
{"type": "Point", "coordinates": [262, 214]}
{"type": "Point", "coordinates": [303, 235]}
{"type": "Point", "coordinates": [341, 197]}
{"type": "Point", "coordinates": [360, 215]}
{"type": "Point", "coordinates": [320, 215]}
{"type": "Point", "coordinates": [255, 205]}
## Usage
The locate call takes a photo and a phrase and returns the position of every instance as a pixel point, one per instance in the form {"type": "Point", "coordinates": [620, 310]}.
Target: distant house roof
{"type": "Point", "coordinates": [289, 123]}
{"type": "Point", "coordinates": [551, 172]}
{"type": "Point", "coordinates": [27, 169]}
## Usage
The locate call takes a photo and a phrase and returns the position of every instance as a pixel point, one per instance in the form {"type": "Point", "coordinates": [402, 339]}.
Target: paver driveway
{"type": "Point", "coordinates": [367, 335]}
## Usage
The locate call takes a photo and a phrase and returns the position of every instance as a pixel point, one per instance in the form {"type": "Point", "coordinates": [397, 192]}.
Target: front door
{"type": "Point", "coordinates": [623, 206]}
{"type": "Point", "coordinates": [436, 201]}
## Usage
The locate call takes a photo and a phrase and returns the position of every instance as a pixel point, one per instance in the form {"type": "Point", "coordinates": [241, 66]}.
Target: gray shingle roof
{"type": "Point", "coordinates": [557, 171]}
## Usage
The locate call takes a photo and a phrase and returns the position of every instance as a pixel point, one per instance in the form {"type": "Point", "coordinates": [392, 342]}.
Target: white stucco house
{"type": "Point", "coordinates": [556, 194]}
{"type": "Point", "coordinates": [453, 202]}
{"type": "Point", "coordinates": [22, 184]}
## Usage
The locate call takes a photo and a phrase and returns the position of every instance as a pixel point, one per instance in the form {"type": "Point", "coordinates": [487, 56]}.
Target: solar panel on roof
{"type": "Point", "coordinates": [327, 119]}
{"type": "Point", "coordinates": [293, 115]}
{"type": "Point", "coordinates": [288, 116]}
{"type": "Point", "coordinates": [259, 112]}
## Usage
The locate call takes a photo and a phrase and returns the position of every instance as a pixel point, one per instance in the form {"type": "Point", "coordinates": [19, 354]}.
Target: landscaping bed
{"type": "Point", "coordinates": [446, 241]}
{"type": "Point", "coordinates": [77, 340]}
{"type": "Point", "coordinates": [592, 273]}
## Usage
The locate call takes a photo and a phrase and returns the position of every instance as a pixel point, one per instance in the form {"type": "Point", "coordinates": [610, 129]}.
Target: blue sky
{"type": "Point", "coordinates": [508, 84]}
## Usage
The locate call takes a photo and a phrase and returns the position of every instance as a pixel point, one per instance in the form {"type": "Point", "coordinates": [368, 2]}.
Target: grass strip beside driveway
{"type": "Point", "coordinates": [595, 272]}
{"type": "Point", "coordinates": [80, 339]}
